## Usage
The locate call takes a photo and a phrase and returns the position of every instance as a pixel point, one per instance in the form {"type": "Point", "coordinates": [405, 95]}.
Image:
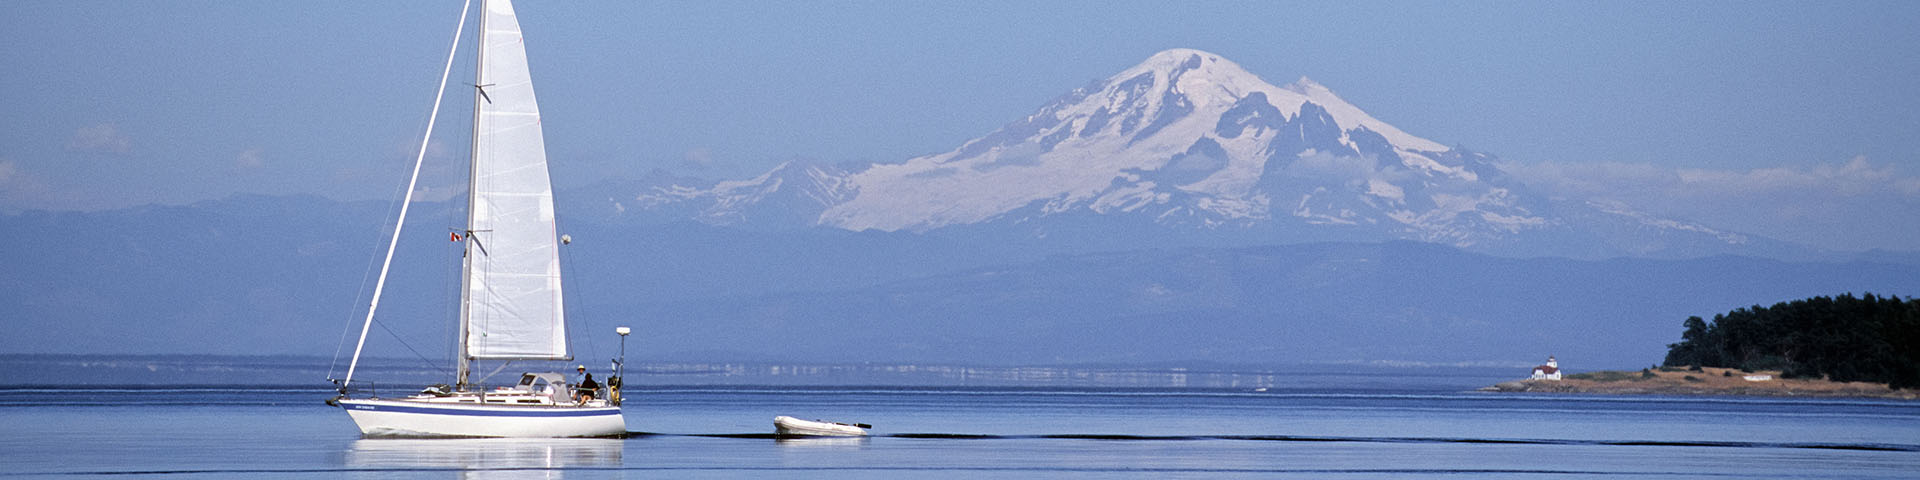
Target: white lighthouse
{"type": "Point", "coordinates": [1550, 371]}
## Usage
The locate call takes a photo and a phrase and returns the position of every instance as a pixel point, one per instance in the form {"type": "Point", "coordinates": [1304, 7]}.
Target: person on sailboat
{"type": "Point", "coordinates": [574, 380]}
{"type": "Point", "coordinates": [587, 389]}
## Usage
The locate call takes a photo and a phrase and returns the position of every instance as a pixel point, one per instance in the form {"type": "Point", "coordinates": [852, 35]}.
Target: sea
{"type": "Point", "coordinates": [1065, 423]}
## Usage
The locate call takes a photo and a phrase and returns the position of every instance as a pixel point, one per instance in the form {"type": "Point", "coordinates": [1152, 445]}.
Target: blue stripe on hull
{"type": "Point", "coordinates": [474, 412]}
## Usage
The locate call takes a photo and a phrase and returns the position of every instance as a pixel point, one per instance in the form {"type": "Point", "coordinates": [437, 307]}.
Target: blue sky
{"type": "Point", "coordinates": [1796, 120]}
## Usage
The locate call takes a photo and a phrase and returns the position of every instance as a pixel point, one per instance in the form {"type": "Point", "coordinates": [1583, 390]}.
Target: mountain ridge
{"type": "Point", "coordinates": [270, 275]}
{"type": "Point", "coordinates": [1191, 141]}
{"type": "Point", "coordinates": [1319, 302]}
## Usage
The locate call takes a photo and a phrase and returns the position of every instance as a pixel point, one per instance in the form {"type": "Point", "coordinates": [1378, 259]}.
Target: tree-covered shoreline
{"type": "Point", "coordinates": [1843, 338]}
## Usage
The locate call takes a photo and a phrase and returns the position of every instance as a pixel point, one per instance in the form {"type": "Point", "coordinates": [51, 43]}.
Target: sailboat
{"type": "Point", "coordinates": [511, 306]}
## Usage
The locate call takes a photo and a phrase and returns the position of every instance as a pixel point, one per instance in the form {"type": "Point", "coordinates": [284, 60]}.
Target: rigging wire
{"type": "Point", "coordinates": [449, 282]}
{"type": "Point", "coordinates": [418, 160]}
{"type": "Point", "coordinates": [574, 321]}
{"type": "Point", "coordinates": [347, 325]}
{"type": "Point", "coordinates": [416, 353]}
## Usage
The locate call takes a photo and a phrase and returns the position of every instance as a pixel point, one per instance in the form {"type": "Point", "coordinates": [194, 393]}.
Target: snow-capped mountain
{"type": "Point", "coordinates": [1186, 134]}
{"type": "Point", "coordinates": [792, 194]}
{"type": "Point", "coordinates": [1185, 140]}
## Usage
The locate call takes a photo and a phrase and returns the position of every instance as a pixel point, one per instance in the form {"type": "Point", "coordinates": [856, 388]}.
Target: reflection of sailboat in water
{"type": "Point", "coordinates": [479, 458]}
{"type": "Point", "coordinates": [510, 301]}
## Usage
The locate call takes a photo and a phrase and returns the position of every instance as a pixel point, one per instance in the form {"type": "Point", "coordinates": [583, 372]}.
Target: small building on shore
{"type": "Point", "coordinates": [1550, 371]}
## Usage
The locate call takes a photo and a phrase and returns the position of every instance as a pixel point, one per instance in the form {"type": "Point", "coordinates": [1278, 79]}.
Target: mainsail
{"type": "Point", "coordinates": [512, 307]}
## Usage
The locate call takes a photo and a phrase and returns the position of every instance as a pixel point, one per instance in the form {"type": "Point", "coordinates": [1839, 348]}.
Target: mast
{"type": "Point", "coordinates": [473, 184]}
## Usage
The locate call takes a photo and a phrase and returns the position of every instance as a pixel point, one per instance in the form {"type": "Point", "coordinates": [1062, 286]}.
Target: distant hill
{"type": "Point", "coordinates": [264, 275]}
{"type": "Point", "coordinates": [1328, 302]}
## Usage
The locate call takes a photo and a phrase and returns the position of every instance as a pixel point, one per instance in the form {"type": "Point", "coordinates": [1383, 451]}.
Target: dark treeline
{"type": "Point", "coordinates": [1847, 339]}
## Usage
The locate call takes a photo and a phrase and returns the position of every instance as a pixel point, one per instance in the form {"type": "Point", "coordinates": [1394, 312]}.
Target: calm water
{"type": "Point", "coordinates": [988, 432]}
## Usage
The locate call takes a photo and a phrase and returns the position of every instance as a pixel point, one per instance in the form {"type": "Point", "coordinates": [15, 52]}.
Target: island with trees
{"type": "Point", "coordinates": [1866, 346]}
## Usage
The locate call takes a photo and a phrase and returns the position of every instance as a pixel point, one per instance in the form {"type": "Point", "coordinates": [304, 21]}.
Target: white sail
{"type": "Point", "coordinates": [513, 308]}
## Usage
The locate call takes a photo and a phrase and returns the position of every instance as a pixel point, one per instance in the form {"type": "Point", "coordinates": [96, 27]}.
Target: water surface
{"type": "Point", "coordinates": [989, 431]}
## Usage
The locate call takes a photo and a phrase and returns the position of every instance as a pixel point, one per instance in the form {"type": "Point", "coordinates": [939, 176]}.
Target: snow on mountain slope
{"type": "Point", "coordinates": [1186, 140]}
{"type": "Point", "coordinates": [792, 194]}
{"type": "Point", "coordinates": [1186, 134]}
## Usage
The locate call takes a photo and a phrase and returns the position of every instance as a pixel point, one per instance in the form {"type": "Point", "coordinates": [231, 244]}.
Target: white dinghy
{"type": "Point", "coordinates": [789, 426]}
{"type": "Point", "coordinates": [510, 299]}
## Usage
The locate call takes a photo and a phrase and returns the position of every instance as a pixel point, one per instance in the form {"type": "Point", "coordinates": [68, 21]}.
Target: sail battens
{"type": "Point", "coordinates": [520, 358]}
{"type": "Point", "coordinates": [511, 194]}
{"type": "Point", "coordinates": [505, 194]}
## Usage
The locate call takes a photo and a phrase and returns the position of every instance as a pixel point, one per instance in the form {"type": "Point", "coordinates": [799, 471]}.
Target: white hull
{"type": "Point", "coordinates": [784, 425]}
{"type": "Point", "coordinates": [403, 418]}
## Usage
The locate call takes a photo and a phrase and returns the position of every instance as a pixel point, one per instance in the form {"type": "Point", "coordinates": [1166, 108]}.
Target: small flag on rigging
{"type": "Point", "coordinates": [453, 236]}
